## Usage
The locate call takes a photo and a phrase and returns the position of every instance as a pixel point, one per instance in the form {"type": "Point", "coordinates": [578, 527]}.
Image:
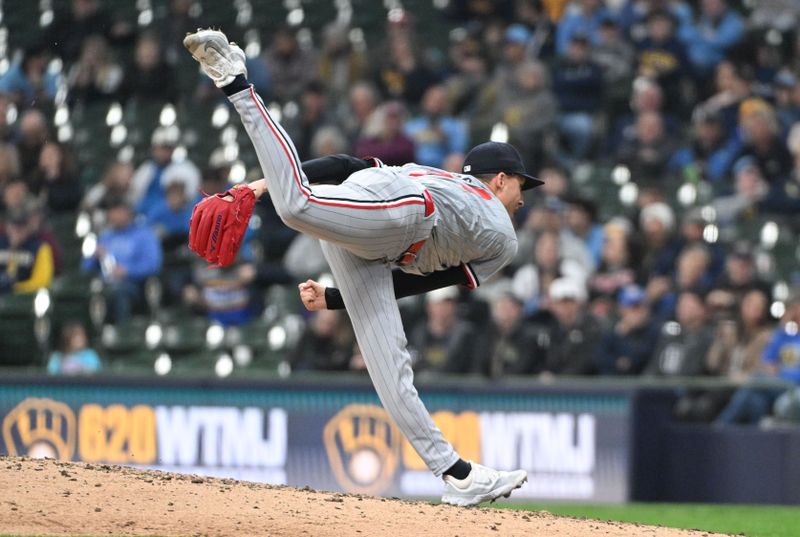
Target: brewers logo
{"type": "Point", "coordinates": [363, 447]}
{"type": "Point", "coordinates": [40, 428]}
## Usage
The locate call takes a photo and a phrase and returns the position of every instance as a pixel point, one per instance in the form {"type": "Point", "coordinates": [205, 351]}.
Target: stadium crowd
{"type": "Point", "coordinates": [663, 129]}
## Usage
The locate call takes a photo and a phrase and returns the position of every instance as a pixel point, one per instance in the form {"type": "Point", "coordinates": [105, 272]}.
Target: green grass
{"type": "Point", "coordinates": [749, 520]}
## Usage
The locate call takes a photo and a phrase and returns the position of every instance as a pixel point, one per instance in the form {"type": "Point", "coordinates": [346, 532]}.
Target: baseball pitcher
{"type": "Point", "coordinates": [386, 232]}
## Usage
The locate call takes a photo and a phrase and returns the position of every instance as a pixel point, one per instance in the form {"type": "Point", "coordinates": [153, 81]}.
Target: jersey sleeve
{"type": "Point", "coordinates": [479, 270]}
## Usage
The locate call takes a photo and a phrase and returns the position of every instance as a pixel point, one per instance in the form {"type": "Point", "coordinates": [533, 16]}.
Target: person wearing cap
{"type": "Point", "coordinates": [763, 140]}
{"type": "Point", "coordinates": [170, 220]}
{"type": "Point", "coordinates": [717, 29]}
{"type": "Point", "coordinates": [581, 219]}
{"type": "Point", "coordinates": [628, 345]}
{"type": "Point", "coordinates": [126, 254]}
{"type": "Point", "coordinates": [514, 347]}
{"type": "Point", "coordinates": [26, 261]}
{"type": "Point", "coordinates": [147, 190]}
{"type": "Point", "coordinates": [570, 332]}
{"type": "Point", "coordinates": [662, 57]}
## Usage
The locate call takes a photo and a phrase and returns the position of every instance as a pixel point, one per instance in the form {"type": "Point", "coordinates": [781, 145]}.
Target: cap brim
{"type": "Point", "coordinates": [530, 181]}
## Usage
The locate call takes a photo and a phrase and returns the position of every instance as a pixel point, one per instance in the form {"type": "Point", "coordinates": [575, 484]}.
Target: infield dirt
{"type": "Point", "coordinates": [46, 497]}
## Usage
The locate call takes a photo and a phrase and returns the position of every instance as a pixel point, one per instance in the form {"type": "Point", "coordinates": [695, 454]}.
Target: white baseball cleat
{"type": "Point", "coordinates": [481, 485]}
{"type": "Point", "coordinates": [218, 58]}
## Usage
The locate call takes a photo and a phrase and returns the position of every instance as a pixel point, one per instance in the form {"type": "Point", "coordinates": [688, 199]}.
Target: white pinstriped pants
{"type": "Point", "coordinates": [363, 223]}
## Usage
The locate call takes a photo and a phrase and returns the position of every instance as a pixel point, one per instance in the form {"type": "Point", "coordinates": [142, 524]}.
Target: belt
{"type": "Point", "coordinates": [408, 257]}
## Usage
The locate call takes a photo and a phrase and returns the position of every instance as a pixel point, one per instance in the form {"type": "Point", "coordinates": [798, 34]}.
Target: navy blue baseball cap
{"type": "Point", "coordinates": [496, 157]}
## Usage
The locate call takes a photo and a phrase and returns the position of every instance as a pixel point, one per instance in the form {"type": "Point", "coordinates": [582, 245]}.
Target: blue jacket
{"type": "Point", "coordinates": [172, 223]}
{"type": "Point", "coordinates": [575, 22]}
{"type": "Point", "coordinates": [136, 248]}
{"type": "Point", "coordinates": [431, 150]}
{"type": "Point", "coordinates": [707, 41]}
{"type": "Point", "coordinates": [783, 351]}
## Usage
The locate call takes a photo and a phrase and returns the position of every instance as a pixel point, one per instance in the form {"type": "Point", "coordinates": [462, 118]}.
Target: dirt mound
{"type": "Point", "coordinates": [65, 498]}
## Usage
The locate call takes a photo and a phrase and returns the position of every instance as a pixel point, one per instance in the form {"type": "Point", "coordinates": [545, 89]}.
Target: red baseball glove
{"type": "Point", "coordinates": [218, 225]}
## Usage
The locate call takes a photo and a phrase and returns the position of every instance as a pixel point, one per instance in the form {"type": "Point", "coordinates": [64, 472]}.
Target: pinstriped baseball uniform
{"type": "Point", "coordinates": [365, 224]}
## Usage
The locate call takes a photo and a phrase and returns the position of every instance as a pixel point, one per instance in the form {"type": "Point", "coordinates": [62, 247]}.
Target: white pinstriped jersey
{"type": "Point", "coordinates": [472, 226]}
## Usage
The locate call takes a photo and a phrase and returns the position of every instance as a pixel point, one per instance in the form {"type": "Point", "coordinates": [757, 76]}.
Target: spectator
{"type": "Point", "coordinates": [149, 79]}
{"type": "Point", "coordinates": [147, 189]}
{"type": "Point", "coordinates": [341, 63]}
{"type": "Point", "coordinates": [787, 98]}
{"type": "Point", "coordinates": [581, 220]}
{"type": "Point", "coordinates": [715, 32]}
{"type": "Point", "coordinates": [628, 346]}
{"type": "Point", "coordinates": [615, 270]}
{"type": "Point", "coordinates": [733, 82]}
{"type": "Point", "coordinates": [96, 78]}
{"type": "Point", "coordinates": [780, 361]}
{"type": "Point", "coordinates": [738, 278]}
{"type": "Point", "coordinates": [115, 184]}
{"type": "Point", "coordinates": [402, 75]}
{"type": "Point", "coordinates": [443, 343]}
{"type": "Point", "coordinates": [573, 335]}
{"type": "Point", "coordinates": [328, 140]}
{"type": "Point", "coordinates": [683, 344]}
{"type": "Point", "coordinates": [9, 164]}
{"type": "Point", "coordinates": [661, 56]}
{"type": "Point", "coordinates": [363, 101]}
{"type": "Point", "coordinates": [224, 294]}
{"type": "Point", "coordinates": [383, 136]}
{"type": "Point", "coordinates": [26, 262]}
{"type": "Point", "coordinates": [171, 220]}
{"type": "Point", "coordinates": [584, 18]}
{"type": "Point", "coordinates": [647, 97]}
{"type": "Point", "coordinates": [649, 150]}
{"type": "Point", "coordinates": [74, 356]}
{"type": "Point", "coordinates": [29, 82]}
{"type": "Point", "coordinates": [711, 152]}
{"type": "Point", "coordinates": [326, 344]}
{"type": "Point", "coordinates": [740, 342]}
{"type": "Point", "coordinates": [514, 343]}
{"type": "Point", "coordinates": [291, 66]}
{"type": "Point", "coordinates": [85, 19]}
{"type": "Point", "coordinates": [170, 29]}
{"type": "Point", "coordinates": [615, 56]}
{"type": "Point", "coordinates": [578, 83]}
{"type": "Point", "coordinates": [56, 179]}
{"type": "Point", "coordinates": [126, 254]}
{"type": "Point", "coordinates": [33, 133]}
{"type": "Point", "coordinates": [763, 140]}
{"type": "Point", "coordinates": [312, 117]}
{"type": "Point", "coordinates": [436, 134]}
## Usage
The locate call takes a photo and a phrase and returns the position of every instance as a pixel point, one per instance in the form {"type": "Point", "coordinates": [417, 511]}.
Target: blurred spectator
{"type": "Point", "coordinates": [660, 248]}
{"type": "Point", "coordinates": [711, 152]}
{"type": "Point", "coordinates": [171, 220]}
{"type": "Point", "coordinates": [573, 335]}
{"type": "Point", "coordinates": [383, 136]}
{"type": "Point", "coordinates": [149, 79]}
{"type": "Point", "coordinates": [649, 150]}
{"type": "Point", "coordinates": [14, 192]}
{"type": "Point", "coordinates": [26, 261]}
{"type": "Point", "coordinates": [436, 134]}
{"type": "Point", "coordinates": [628, 345]}
{"type": "Point", "coordinates": [578, 85]}
{"type": "Point", "coordinates": [9, 164]}
{"type": "Point", "coordinates": [615, 270]}
{"type": "Point", "coordinates": [147, 184]}
{"type": "Point", "coordinates": [313, 116]}
{"type": "Point", "coordinates": [780, 360]}
{"type": "Point", "coordinates": [29, 82]}
{"type": "Point", "coordinates": [290, 65]}
{"type": "Point", "coordinates": [328, 140]}
{"type": "Point", "coordinates": [41, 228]}
{"type": "Point", "coordinates": [739, 277]}
{"type": "Point", "coordinates": [96, 77]}
{"type": "Point", "coordinates": [56, 179]}
{"type": "Point", "coordinates": [584, 17]}
{"type": "Point", "coordinates": [787, 98]}
{"type": "Point", "coordinates": [402, 75]}
{"type": "Point", "coordinates": [581, 220]}
{"type": "Point", "coordinates": [341, 63]}
{"type": "Point", "coordinates": [647, 97]}
{"type": "Point", "coordinates": [126, 254]}
{"type": "Point", "coordinates": [514, 347]}
{"type": "Point", "coordinates": [532, 280]}
{"type": "Point", "coordinates": [326, 344]}
{"type": "Point", "coordinates": [33, 133]}
{"type": "Point", "coordinates": [739, 342]}
{"type": "Point", "coordinates": [683, 343]}
{"type": "Point", "coordinates": [181, 17]}
{"type": "Point", "coordinates": [74, 356]}
{"type": "Point", "coordinates": [84, 20]}
{"type": "Point", "coordinates": [733, 84]}
{"type": "Point", "coordinates": [783, 15]}
{"type": "Point", "coordinates": [443, 342]}
{"type": "Point", "coordinates": [615, 56]}
{"type": "Point", "coordinates": [717, 29]}
{"type": "Point", "coordinates": [363, 101]}
{"type": "Point", "coordinates": [763, 140]}
{"type": "Point", "coordinates": [662, 57]}
{"type": "Point", "coordinates": [224, 294]}
{"type": "Point", "coordinates": [114, 184]}
{"type": "Point", "coordinates": [533, 14]}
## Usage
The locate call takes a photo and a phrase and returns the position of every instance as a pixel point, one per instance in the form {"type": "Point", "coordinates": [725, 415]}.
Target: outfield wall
{"type": "Point", "coordinates": [580, 440]}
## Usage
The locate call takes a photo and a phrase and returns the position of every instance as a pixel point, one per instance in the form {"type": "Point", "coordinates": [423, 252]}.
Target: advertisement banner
{"type": "Point", "coordinates": [573, 443]}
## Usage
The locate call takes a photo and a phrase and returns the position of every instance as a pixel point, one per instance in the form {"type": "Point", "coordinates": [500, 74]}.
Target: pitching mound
{"type": "Point", "coordinates": [64, 498]}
